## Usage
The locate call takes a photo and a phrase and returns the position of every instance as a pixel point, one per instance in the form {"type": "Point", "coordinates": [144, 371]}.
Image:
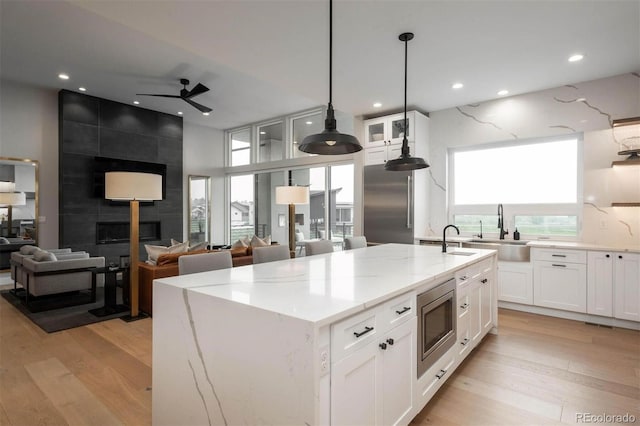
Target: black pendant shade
{"type": "Point", "coordinates": [330, 141]}
{"type": "Point", "coordinates": [405, 162]}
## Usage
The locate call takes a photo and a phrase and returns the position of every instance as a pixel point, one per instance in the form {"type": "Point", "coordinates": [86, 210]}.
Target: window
{"type": "Point", "coordinates": [538, 182]}
{"type": "Point", "coordinates": [303, 126]}
{"type": "Point", "coordinates": [270, 142]}
{"type": "Point", "coordinates": [200, 209]}
{"type": "Point", "coordinates": [241, 207]}
{"type": "Point", "coordinates": [240, 147]}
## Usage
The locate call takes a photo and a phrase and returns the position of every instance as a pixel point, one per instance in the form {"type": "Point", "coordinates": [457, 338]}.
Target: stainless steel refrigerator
{"type": "Point", "coordinates": [389, 209]}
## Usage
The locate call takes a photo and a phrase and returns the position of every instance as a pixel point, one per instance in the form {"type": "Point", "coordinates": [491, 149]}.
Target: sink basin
{"type": "Point", "coordinates": [462, 253]}
{"type": "Point", "coordinates": [512, 242]}
{"type": "Point", "coordinates": [510, 251]}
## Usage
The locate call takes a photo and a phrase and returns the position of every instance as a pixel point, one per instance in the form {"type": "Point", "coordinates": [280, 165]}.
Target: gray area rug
{"type": "Point", "coordinates": [62, 319]}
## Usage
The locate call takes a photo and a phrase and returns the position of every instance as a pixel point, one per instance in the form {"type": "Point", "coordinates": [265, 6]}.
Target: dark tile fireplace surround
{"type": "Point", "coordinates": [91, 127]}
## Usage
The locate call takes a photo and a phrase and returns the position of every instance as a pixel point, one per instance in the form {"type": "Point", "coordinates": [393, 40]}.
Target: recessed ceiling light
{"type": "Point", "coordinates": [136, 103]}
{"type": "Point", "coordinates": [263, 133]}
{"type": "Point", "coordinates": [581, 99]}
{"type": "Point", "coordinates": [82, 89]}
{"type": "Point", "coordinates": [377, 105]}
{"type": "Point", "coordinates": [179, 112]}
{"type": "Point", "coordinates": [205, 113]}
{"type": "Point", "coordinates": [457, 86]}
{"type": "Point", "coordinates": [576, 58]}
{"type": "Point", "coordinates": [309, 122]}
{"type": "Point", "coordinates": [503, 93]}
{"type": "Point", "coordinates": [63, 76]}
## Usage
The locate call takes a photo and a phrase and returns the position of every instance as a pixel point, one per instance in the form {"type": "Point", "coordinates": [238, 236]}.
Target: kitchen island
{"type": "Point", "coordinates": [301, 341]}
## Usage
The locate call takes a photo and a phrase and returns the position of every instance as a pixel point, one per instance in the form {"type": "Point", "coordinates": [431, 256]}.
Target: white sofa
{"type": "Point", "coordinates": [69, 272]}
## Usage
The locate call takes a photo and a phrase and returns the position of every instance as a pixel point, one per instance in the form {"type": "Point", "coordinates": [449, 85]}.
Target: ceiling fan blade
{"type": "Point", "coordinates": [202, 108]}
{"type": "Point", "coordinates": [160, 96]}
{"type": "Point", "coordinates": [199, 89]}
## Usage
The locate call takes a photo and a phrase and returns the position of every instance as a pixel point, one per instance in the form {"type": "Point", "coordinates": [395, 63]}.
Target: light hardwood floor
{"type": "Point", "coordinates": [538, 370]}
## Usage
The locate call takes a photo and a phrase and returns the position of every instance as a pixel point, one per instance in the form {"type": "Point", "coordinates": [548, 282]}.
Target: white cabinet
{"type": "Point", "coordinates": [627, 286]}
{"type": "Point", "coordinates": [383, 137]}
{"type": "Point", "coordinates": [515, 282]}
{"type": "Point", "coordinates": [560, 279]}
{"type": "Point", "coordinates": [600, 283]}
{"type": "Point", "coordinates": [372, 376]}
{"type": "Point", "coordinates": [486, 304]}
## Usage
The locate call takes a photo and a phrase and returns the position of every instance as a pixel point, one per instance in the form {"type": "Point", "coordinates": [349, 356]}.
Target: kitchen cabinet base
{"type": "Point", "coordinates": [576, 316]}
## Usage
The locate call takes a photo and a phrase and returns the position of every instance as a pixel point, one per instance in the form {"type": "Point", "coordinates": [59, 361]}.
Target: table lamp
{"type": "Point", "coordinates": [292, 195]}
{"type": "Point", "coordinates": [133, 187]}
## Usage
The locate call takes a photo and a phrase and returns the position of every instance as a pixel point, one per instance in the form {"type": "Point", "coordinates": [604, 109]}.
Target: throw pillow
{"type": "Point", "coordinates": [169, 258]}
{"type": "Point", "coordinates": [242, 242]}
{"type": "Point", "coordinates": [260, 242]}
{"type": "Point", "coordinates": [154, 251]}
{"type": "Point", "coordinates": [43, 256]}
{"type": "Point", "coordinates": [239, 251]}
{"type": "Point", "coordinates": [28, 249]}
{"type": "Point", "coordinates": [199, 246]}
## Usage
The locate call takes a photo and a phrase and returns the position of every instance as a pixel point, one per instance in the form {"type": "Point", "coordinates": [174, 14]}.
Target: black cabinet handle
{"type": "Point", "coordinates": [390, 342]}
{"type": "Point", "coordinates": [405, 309]}
{"type": "Point", "coordinates": [619, 256]}
{"type": "Point", "coordinates": [465, 306]}
{"type": "Point", "coordinates": [558, 255]}
{"type": "Point", "coordinates": [561, 266]}
{"type": "Point", "coordinates": [464, 342]}
{"type": "Point", "coordinates": [607, 256]}
{"type": "Point", "coordinates": [383, 346]}
{"type": "Point", "coordinates": [441, 374]}
{"type": "Point", "coordinates": [484, 281]}
{"type": "Point", "coordinates": [366, 330]}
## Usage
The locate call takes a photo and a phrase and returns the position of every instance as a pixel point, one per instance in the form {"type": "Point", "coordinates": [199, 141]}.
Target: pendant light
{"type": "Point", "coordinates": [405, 162]}
{"type": "Point", "coordinates": [330, 141]}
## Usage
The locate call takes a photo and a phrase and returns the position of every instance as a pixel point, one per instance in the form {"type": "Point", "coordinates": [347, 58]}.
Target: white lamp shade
{"type": "Point", "coordinates": [7, 186]}
{"type": "Point", "coordinates": [13, 198]}
{"type": "Point", "coordinates": [292, 195]}
{"type": "Point", "coordinates": [126, 186]}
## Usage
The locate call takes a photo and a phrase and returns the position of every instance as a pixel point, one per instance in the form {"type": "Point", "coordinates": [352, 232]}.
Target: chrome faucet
{"type": "Point", "coordinates": [503, 231]}
{"type": "Point", "coordinates": [444, 236]}
{"type": "Point", "coordinates": [480, 234]}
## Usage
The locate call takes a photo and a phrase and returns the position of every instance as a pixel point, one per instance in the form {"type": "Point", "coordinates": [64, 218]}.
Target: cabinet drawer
{"type": "Point", "coordinates": [398, 310]}
{"type": "Point", "coordinates": [553, 255]}
{"type": "Point", "coordinates": [354, 332]}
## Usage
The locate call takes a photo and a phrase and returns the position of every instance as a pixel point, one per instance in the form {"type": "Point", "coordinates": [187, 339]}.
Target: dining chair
{"type": "Point", "coordinates": [192, 263]}
{"type": "Point", "coordinates": [351, 243]}
{"type": "Point", "coordinates": [270, 253]}
{"type": "Point", "coordinates": [318, 247]}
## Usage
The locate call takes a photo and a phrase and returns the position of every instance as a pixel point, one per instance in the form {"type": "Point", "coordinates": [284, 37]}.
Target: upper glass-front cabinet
{"type": "Point", "coordinates": [388, 130]}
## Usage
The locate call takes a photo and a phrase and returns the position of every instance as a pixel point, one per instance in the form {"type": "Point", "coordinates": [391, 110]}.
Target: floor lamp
{"type": "Point", "coordinates": [133, 187]}
{"type": "Point", "coordinates": [10, 199]}
{"type": "Point", "coordinates": [292, 195]}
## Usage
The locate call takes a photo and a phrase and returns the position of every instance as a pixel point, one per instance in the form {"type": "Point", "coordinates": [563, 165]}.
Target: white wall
{"type": "Point", "coordinates": [546, 113]}
{"type": "Point", "coordinates": [29, 129]}
{"type": "Point", "coordinates": [203, 154]}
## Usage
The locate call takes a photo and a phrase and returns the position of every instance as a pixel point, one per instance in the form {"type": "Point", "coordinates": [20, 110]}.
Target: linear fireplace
{"type": "Point", "coordinates": [118, 232]}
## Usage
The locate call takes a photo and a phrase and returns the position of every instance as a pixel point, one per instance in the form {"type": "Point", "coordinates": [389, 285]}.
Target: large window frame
{"type": "Point", "coordinates": [512, 211]}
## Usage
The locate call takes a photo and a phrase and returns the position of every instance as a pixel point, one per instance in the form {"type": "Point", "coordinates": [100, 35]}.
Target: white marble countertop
{"type": "Point", "coordinates": [575, 245]}
{"type": "Point", "coordinates": [324, 288]}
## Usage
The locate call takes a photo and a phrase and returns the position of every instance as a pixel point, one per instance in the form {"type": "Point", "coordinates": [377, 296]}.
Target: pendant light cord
{"type": "Point", "coordinates": [330, 49]}
{"type": "Point", "coordinates": [404, 125]}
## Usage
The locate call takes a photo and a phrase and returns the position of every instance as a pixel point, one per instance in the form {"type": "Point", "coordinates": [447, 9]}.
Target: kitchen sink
{"type": "Point", "coordinates": [462, 253]}
{"type": "Point", "coordinates": [510, 251]}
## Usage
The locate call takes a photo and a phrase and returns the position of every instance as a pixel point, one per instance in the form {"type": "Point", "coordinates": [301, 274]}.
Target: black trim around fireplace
{"type": "Point", "coordinates": [118, 232]}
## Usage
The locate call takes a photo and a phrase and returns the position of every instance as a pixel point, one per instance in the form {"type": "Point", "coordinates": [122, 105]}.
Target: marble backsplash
{"type": "Point", "coordinates": [588, 108]}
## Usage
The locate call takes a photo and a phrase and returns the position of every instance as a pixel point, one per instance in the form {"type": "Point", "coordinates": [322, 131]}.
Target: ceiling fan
{"type": "Point", "coordinates": [186, 95]}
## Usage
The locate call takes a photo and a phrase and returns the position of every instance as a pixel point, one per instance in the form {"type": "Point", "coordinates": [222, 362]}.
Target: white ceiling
{"type": "Point", "coordinates": [266, 58]}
